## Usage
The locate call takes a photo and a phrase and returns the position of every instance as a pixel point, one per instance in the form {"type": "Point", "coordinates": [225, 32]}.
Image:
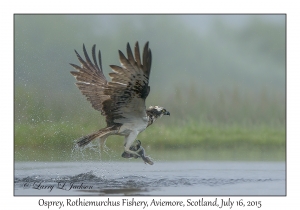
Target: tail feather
{"type": "Point", "coordinates": [101, 133]}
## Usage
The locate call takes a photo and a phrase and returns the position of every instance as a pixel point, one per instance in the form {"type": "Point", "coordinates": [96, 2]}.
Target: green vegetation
{"type": "Point", "coordinates": [167, 142]}
{"type": "Point", "coordinates": [225, 88]}
{"type": "Point", "coordinates": [236, 129]}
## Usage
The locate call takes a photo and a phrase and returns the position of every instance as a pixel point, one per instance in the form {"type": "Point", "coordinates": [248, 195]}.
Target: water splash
{"type": "Point", "coordinates": [94, 149]}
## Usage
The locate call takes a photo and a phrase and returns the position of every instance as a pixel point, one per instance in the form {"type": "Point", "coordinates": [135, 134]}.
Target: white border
{"type": "Point", "coordinates": [154, 6]}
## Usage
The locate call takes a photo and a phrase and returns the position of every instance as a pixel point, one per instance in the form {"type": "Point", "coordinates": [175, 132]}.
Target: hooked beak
{"type": "Point", "coordinates": [167, 113]}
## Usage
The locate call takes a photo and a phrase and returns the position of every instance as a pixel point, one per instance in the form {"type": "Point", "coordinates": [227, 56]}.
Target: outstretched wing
{"type": "Point", "coordinates": [90, 79]}
{"type": "Point", "coordinates": [123, 99]}
{"type": "Point", "coordinates": [129, 87]}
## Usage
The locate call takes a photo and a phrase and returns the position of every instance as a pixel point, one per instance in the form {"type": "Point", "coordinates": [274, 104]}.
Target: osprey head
{"type": "Point", "coordinates": [157, 111]}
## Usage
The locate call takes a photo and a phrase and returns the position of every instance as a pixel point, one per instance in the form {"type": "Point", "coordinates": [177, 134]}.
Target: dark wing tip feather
{"type": "Point", "coordinates": [80, 59]}
{"type": "Point", "coordinates": [74, 73]}
{"type": "Point", "coordinates": [84, 50]}
{"type": "Point", "coordinates": [77, 54]}
{"type": "Point", "coordinates": [137, 54]}
{"type": "Point", "coordinates": [123, 59]}
{"type": "Point", "coordinates": [147, 59]}
{"type": "Point", "coordinates": [137, 44]}
{"type": "Point", "coordinates": [99, 58]}
{"type": "Point", "coordinates": [130, 55]}
{"type": "Point", "coordinates": [74, 66]}
{"type": "Point", "coordinates": [149, 62]}
{"type": "Point", "coordinates": [86, 56]}
{"type": "Point", "coordinates": [146, 47]}
{"type": "Point", "coordinates": [94, 56]}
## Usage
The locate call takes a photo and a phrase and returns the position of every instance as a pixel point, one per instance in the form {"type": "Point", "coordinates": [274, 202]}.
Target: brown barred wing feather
{"type": "Point", "coordinates": [90, 79]}
{"type": "Point", "coordinates": [123, 99]}
{"type": "Point", "coordinates": [129, 87]}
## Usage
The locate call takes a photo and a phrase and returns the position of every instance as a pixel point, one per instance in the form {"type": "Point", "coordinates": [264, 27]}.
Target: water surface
{"type": "Point", "coordinates": [162, 178]}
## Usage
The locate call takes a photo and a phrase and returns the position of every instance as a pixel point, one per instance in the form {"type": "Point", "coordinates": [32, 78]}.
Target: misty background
{"type": "Point", "coordinates": [222, 77]}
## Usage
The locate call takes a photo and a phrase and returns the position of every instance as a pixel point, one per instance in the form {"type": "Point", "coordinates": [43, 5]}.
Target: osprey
{"type": "Point", "coordinates": [121, 101]}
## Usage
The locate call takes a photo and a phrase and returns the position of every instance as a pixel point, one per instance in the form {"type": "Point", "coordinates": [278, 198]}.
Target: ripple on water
{"type": "Point", "coordinates": [136, 181]}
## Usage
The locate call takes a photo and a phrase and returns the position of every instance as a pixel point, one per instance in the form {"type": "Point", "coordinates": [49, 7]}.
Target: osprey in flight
{"type": "Point", "coordinates": [121, 101]}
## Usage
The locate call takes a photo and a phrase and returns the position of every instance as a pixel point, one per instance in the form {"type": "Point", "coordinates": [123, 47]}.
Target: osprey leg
{"type": "Point", "coordinates": [103, 133]}
{"type": "Point", "coordinates": [136, 146]}
{"type": "Point", "coordinates": [128, 143]}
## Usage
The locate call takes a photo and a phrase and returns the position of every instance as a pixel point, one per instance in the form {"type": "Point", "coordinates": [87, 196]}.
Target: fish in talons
{"type": "Point", "coordinates": [136, 146]}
